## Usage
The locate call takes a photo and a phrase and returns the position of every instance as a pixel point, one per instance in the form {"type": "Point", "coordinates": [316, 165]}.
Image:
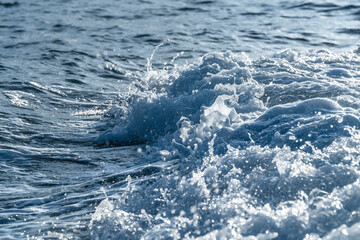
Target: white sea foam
{"type": "Point", "coordinates": [265, 149]}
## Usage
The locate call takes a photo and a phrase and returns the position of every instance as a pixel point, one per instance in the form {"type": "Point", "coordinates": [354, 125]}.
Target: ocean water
{"type": "Point", "coordinates": [179, 119]}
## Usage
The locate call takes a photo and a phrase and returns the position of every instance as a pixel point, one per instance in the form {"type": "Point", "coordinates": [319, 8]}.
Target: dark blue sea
{"type": "Point", "coordinates": [187, 119]}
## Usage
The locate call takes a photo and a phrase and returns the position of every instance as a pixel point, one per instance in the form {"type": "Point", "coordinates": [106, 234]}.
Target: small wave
{"type": "Point", "coordinates": [9, 4]}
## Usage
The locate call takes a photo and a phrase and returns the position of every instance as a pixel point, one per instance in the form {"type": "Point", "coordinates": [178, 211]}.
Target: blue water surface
{"type": "Point", "coordinates": [198, 119]}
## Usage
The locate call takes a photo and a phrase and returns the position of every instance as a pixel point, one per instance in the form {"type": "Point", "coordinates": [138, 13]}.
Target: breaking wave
{"type": "Point", "coordinates": [265, 149]}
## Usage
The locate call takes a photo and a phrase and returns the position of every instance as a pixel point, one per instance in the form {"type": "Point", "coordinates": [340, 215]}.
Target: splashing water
{"type": "Point", "coordinates": [259, 149]}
